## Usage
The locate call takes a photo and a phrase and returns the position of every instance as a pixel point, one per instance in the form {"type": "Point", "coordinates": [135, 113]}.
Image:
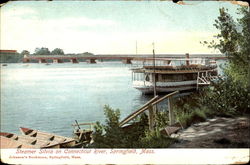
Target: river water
{"type": "Point", "coordinates": [51, 97]}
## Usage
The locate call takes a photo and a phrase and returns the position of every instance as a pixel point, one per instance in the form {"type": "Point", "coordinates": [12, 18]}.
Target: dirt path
{"type": "Point", "coordinates": [219, 132]}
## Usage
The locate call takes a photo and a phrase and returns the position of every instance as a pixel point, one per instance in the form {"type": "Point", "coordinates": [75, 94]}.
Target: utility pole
{"type": "Point", "coordinates": [154, 77]}
{"type": "Point", "coordinates": [152, 110]}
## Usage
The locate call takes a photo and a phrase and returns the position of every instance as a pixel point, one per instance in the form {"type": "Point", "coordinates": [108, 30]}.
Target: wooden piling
{"type": "Point", "coordinates": [151, 117]}
{"type": "Point", "coordinates": [170, 111]}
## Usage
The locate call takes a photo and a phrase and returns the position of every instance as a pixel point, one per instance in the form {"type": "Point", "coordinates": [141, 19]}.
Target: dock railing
{"type": "Point", "coordinates": [174, 62]}
{"type": "Point", "coordinates": [149, 106]}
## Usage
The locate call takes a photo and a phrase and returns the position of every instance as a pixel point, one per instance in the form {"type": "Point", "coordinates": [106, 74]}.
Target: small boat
{"type": "Point", "coordinates": [8, 143]}
{"type": "Point", "coordinates": [64, 142]}
{"type": "Point", "coordinates": [168, 75]}
{"type": "Point", "coordinates": [27, 141]}
{"type": "Point", "coordinates": [4, 65]}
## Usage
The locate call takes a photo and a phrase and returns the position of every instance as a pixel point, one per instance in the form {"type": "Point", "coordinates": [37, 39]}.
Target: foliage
{"type": "Point", "coordinates": [113, 132]}
{"type": "Point", "coordinates": [42, 51]}
{"type": "Point", "coordinates": [234, 42]}
{"type": "Point", "coordinates": [228, 36]}
{"type": "Point", "coordinates": [25, 52]}
{"type": "Point", "coordinates": [188, 115]}
{"type": "Point", "coordinates": [98, 136]}
{"type": "Point", "coordinates": [136, 135]}
{"type": "Point", "coordinates": [109, 135]}
{"type": "Point", "coordinates": [10, 57]}
{"type": "Point", "coordinates": [154, 139]}
{"type": "Point", "coordinates": [224, 98]}
{"type": "Point", "coordinates": [161, 118]}
{"type": "Point", "coordinates": [230, 95]}
{"type": "Point", "coordinates": [240, 61]}
{"type": "Point", "coordinates": [57, 51]}
{"type": "Point", "coordinates": [87, 54]}
{"type": "Point", "coordinates": [46, 51]}
{"type": "Point", "coordinates": [227, 98]}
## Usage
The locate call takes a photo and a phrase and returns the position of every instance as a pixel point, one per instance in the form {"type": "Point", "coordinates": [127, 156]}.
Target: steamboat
{"type": "Point", "coordinates": [168, 75]}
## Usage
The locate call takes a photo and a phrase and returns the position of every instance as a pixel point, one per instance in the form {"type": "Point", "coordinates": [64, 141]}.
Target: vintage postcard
{"type": "Point", "coordinates": [125, 82]}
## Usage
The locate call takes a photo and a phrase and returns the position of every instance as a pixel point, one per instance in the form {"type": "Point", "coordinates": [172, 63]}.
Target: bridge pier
{"type": "Point", "coordinates": [91, 61]}
{"type": "Point", "coordinates": [126, 61]}
{"type": "Point", "coordinates": [57, 61]}
{"type": "Point", "coordinates": [74, 61]}
{"type": "Point", "coordinates": [25, 60]}
{"type": "Point", "coordinates": [42, 61]}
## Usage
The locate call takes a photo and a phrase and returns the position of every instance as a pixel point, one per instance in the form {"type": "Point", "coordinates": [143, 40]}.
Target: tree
{"type": "Point", "coordinates": [88, 54]}
{"type": "Point", "coordinates": [240, 61]}
{"type": "Point", "coordinates": [137, 135]}
{"type": "Point", "coordinates": [10, 57]}
{"type": "Point", "coordinates": [25, 52]}
{"type": "Point", "coordinates": [57, 51]}
{"type": "Point", "coordinates": [233, 40]}
{"type": "Point", "coordinates": [231, 94]}
{"type": "Point", "coordinates": [42, 51]}
{"type": "Point", "coordinates": [114, 135]}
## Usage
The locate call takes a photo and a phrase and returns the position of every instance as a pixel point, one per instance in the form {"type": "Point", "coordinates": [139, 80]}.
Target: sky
{"type": "Point", "coordinates": [108, 27]}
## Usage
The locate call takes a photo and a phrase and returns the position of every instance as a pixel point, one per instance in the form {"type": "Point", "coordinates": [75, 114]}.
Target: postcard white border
{"type": "Point", "coordinates": [125, 156]}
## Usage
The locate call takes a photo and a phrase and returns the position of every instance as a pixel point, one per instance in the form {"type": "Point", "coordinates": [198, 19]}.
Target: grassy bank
{"type": "Point", "coordinates": [224, 98]}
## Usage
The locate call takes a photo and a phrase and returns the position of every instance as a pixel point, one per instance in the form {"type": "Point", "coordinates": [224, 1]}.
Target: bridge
{"type": "Point", "coordinates": [125, 58]}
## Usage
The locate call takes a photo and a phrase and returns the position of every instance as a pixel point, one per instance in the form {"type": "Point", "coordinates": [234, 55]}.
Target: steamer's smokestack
{"type": "Point", "coordinates": [187, 57]}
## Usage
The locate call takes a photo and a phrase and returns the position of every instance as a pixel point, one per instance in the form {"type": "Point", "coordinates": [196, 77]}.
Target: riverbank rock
{"type": "Point", "coordinates": [219, 132]}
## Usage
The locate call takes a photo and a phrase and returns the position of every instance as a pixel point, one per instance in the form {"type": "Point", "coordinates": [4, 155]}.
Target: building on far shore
{"type": "Point", "coordinates": [10, 56]}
